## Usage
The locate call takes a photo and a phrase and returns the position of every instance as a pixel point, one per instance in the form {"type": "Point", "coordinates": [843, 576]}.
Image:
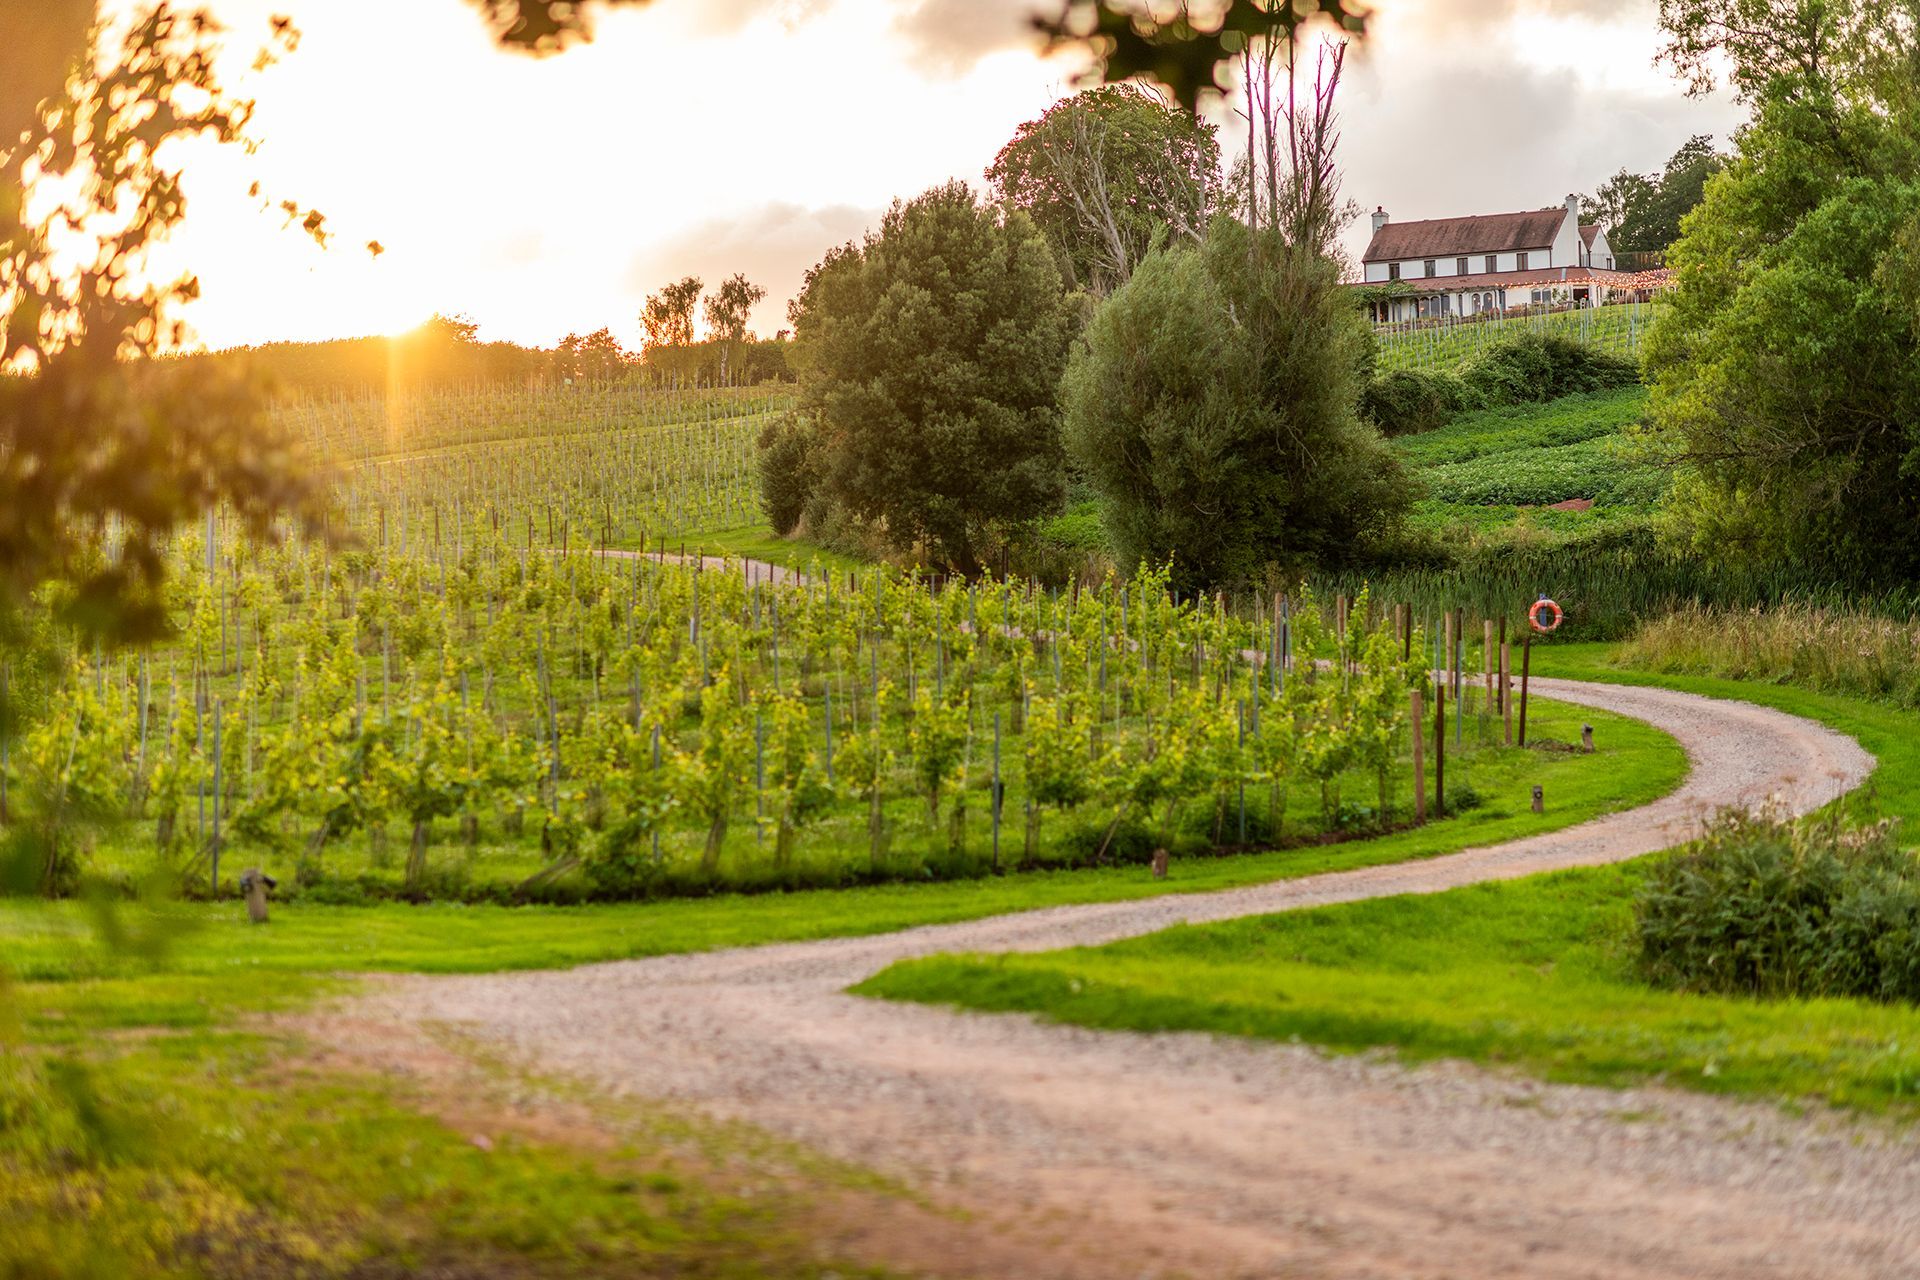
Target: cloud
{"type": "Point", "coordinates": [948, 37]}
{"type": "Point", "coordinates": [773, 245]}
{"type": "Point", "coordinates": [708, 18]}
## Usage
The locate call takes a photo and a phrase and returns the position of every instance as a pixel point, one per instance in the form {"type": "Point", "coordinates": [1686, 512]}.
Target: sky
{"type": "Point", "coordinates": [704, 137]}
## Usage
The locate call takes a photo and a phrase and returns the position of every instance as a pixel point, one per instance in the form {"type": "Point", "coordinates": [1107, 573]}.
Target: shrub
{"type": "Point", "coordinates": [1543, 366]}
{"type": "Point", "coordinates": [1213, 407]}
{"type": "Point", "coordinates": [788, 477]}
{"type": "Point", "coordinates": [1409, 401]}
{"type": "Point", "coordinates": [1526, 368]}
{"type": "Point", "coordinates": [1763, 905]}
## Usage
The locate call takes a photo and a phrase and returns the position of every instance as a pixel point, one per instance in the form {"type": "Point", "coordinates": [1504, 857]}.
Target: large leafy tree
{"type": "Point", "coordinates": [95, 437]}
{"type": "Point", "coordinates": [1642, 212]}
{"type": "Point", "coordinates": [1103, 172]}
{"type": "Point", "coordinates": [1213, 405]}
{"type": "Point", "coordinates": [928, 357]}
{"type": "Point", "coordinates": [1787, 374]}
{"type": "Point", "coordinates": [667, 316]}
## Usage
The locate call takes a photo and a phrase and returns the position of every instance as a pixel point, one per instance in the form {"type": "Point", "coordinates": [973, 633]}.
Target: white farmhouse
{"type": "Point", "coordinates": [1490, 262]}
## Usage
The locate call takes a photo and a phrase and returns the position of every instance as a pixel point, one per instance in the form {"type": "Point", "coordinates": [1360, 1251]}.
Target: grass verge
{"type": "Point", "coordinates": [1532, 974]}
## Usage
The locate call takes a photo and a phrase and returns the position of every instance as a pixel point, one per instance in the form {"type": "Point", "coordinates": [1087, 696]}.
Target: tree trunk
{"type": "Point", "coordinates": [417, 854]}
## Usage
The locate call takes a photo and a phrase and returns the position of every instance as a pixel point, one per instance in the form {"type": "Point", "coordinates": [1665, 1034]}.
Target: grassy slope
{"type": "Point", "coordinates": [1532, 973]}
{"type": "Point", "coordinates": [53, 942]}
{"type": "Point", "coordinates": [1499, 468]}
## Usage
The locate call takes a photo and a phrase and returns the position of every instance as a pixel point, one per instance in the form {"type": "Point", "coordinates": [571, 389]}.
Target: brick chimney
{"type": "Point", "coordinates": [1379, 219]}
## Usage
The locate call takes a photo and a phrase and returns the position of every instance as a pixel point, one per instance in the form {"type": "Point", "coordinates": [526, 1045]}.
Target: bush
{"type": "Point", "coordinates": [1526, 368]}
{"type": "Point", "coordinates": [1531, 367]}
{"type": "Point", "coordinates": [1408, 401]}
{"type": "Point", "coordinates": [1762, 905]}
{"type": "Point", "coordinates": [788, 477]}
{"type": "Point", "coordinates": [1213, 407]}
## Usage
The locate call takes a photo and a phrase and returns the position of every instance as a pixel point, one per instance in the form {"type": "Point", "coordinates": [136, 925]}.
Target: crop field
{"type": "Point", "coordinates": [1448, 342]}
{"type": "Point", "coordinates": [602, 464]}
{"type": "Point", "coordinates": [1561, 469]}
{"type": "Point", "coordinates": [491, 722]}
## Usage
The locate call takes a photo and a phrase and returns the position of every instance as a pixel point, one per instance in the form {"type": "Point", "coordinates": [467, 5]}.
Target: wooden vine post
{"type": "Point", "coordinates": [1506, 688]}
{"type": "Point", "coordinates": [1419, 762]}
{"type": "Point", "coordinates": [1526, 661]}
{"type": "Point", "coordinates": [1440, 752]}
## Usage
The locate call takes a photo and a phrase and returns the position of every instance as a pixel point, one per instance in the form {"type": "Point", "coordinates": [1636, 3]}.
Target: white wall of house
{"type": "Point", "coordinates": [1567, 246]}
{"type": "Point", "coordinates": [1602, 251]}
{"type": "Point", "coordinates": [1416, 268]}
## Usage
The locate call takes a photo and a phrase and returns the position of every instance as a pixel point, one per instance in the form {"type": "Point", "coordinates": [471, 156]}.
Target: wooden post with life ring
{"type": "Point", "coordinates": [1534, 623]}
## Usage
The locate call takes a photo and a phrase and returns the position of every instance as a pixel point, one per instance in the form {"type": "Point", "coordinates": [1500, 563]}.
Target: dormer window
{"type": "Point", "coordinates": [1520, 261]}
{"type": "Point", "coordinates": [1393, 271]}
{"type": "Point", "coordinates": [1493, 263]}
{"type": "Point", "coordinates": [1460, 267]}
{"type": "Point", "coordinates": [1431, 272]}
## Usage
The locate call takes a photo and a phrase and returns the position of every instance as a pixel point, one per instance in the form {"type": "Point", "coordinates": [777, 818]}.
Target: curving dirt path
{"type": "Point", "coordinates": [1136, 1155]}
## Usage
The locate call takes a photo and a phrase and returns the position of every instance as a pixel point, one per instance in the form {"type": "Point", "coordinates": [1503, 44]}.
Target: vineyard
{"type": "Point", "coordinates": [489, 721]}
{"type": "Point", "coordinates": [1446, 342]}
{"type": "Point", "coordinates": [604, 464]}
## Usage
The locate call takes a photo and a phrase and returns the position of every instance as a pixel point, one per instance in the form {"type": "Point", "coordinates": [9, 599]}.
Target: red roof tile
{"type": "Point", "coordinates": [1479, 233]}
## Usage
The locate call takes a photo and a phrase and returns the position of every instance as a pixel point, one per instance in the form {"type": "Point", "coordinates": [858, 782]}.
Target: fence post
{"type": "Point", "coordinates": [1440, 752]}
{"type": "Point", "coordinates": [1506, 688]}
{"type": "Point", "coordinates": [1419, 762]}
{"type": "Point", "coordinates": [218, 778]}
{"type": "Point", "coordinates": [1526, 661]}
{"type": "Point", "coordinates": [998, 792]}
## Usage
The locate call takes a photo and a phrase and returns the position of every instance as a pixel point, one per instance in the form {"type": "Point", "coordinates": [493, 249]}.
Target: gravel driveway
{"type": "Point", "coordinates": [1196, 1155]}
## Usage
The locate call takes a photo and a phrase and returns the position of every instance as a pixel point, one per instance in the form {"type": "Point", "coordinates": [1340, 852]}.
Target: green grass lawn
{"type": "Point", "coordinates": [1532, 974]}
{"type": "Point", "coordinates": [142, 1135]}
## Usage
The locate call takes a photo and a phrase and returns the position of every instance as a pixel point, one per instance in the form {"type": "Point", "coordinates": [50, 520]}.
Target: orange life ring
{"type": "Point", "coordinates": [1533, 615]}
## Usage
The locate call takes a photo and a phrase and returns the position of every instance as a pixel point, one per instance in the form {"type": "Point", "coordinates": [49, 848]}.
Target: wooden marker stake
{"type": "Point", "coordinates": [1419, 762]}
{"type": "Point", "coordinates": [1526, 661]}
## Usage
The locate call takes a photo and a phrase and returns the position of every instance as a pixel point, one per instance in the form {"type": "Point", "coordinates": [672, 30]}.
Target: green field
{"type": "Point", "coordinates": [1450, 343]}
{"type": "Point", "coordinates": [1502, 470]}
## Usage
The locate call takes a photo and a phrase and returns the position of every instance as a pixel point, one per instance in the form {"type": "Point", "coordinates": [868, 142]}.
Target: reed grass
{"type": "Point", "coordinates": [1850, 650]}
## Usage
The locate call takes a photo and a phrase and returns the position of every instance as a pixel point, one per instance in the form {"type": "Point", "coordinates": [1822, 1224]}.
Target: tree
{"type": "Point", "coordinates": [1641, 212]}
{"type": "Point", "coordinates": [726, 315]}
{"type": "Point", "coordinates": [727, 307]}
{"type": "Point", "coordinates": [929, 357]}
{"type": "Point", "coordinates": [1787, 373]}
{"type": "Point", "coordinates": [1103, 172]}
{"type": "Point", "coordinates": [597, 356]}
{"type": "Point", "coordinates": [667, 316]}
{"type": "Point", "coordinates": [94, 435]}
{"type": "Point", "coordinates": [1213, 404]}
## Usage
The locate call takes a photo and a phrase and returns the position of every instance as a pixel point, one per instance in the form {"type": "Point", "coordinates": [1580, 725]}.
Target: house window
{"type": "Point", "coordinates": [1460, 267]}
{"type": "Point", "coordinates": [1519, 262]}
{"type": "Point", "coordinates": [1493, 263]}
{"type": "Point", "coordinates": [1431, 273]}
{"type": "Point", "coordinates": [1393, 271]}
{"type": "Point", "coordinates": [1609, 262]}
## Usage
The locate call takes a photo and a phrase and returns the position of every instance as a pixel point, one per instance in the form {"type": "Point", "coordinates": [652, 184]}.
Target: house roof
{"type": "Point", "coordinates": [1478, 233]}
{"type": "Point", "coordinates": [1516, 279]}
{"type": "Point", "coordinates": [1588, 232]}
